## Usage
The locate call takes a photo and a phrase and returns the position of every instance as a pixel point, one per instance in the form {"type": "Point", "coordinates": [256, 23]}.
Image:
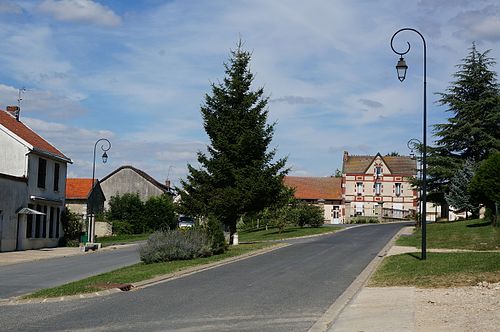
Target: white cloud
{"type": "Point", "coordinates": [478, 25]}
{"type": "Point", "coordinates": [80, 11]}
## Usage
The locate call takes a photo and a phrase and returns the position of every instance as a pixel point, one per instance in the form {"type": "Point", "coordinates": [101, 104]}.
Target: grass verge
{"type": "Point", "coordinates": [470, 234]}
{"type": "Point", "coordinates": [438, 270]}
{"type": "Point", "coordinates": [256, 235]}
{"type": "Point", "coordinates": [121, 239]}
{"type": "Point", "coordinates": [138, 272]}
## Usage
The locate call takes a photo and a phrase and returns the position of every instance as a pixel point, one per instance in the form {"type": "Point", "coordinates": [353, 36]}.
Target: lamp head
{"type": "Point", "coordinates": [104, 157]}
{"type": "Point", "coordinates": [401, 68]}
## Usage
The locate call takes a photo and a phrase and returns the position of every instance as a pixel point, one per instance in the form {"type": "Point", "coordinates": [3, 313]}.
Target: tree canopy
{"type": "Point", "coordinates": [239, 174]}
{"type": "Point", "coordinates": [472, 132]}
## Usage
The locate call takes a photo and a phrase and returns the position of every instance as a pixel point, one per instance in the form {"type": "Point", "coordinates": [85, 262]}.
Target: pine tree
{"type": "Point", "coordinates": [459, 196]}
{"type": "Point", "coordinates": [473, 130]}
{"type": "Point", "coordinates": [238, 175]}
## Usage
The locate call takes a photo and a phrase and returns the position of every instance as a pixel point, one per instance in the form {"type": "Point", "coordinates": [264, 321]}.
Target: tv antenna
{"type": "Point", "coordinates": [19, 98]}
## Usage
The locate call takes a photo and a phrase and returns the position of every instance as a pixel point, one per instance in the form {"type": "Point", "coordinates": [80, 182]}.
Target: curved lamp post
{"type": "Point", "coordinates": [106, 145]}
{"type": "Point", "coordinates": [401, 68]}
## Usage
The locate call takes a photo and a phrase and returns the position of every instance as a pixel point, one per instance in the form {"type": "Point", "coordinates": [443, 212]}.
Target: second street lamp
{"type": "Point", "coordinates": [104, 147]}
{"type": "Point", "coordinates": [401, 68]}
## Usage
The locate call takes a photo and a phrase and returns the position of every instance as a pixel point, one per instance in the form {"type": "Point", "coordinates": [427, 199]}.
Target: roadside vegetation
{"type": "Point", "coordinates": [107, 241]}
{"type": "Point", "coordinates": [445, 269]}
{"type": "Point", "coordinates": [468, 234]}
{"type": "Point", "coordinates": [438, 270]}
{"type": "Point", "coordinates": [140, 272]}
{"type": "Point", "coordinates": [273, 233]}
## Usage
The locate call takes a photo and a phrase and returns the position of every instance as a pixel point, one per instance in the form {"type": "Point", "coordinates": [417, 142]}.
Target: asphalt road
{"type": "Point", "coordinates": [285, 290]}
{"type": "Point", "coordinates": [18, 279]}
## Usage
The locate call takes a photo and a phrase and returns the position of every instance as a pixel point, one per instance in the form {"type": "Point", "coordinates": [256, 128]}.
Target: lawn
{"type": "Point", "coordinates": [471, 234]}
{"type": "Point", "coordinates": [438, 270]}
{"type": "Point", "coordinates": [256, 235]}
{"type": "Point", "coordinates": [139, 272]}
{"type": "Point", "coordinates": [121, 239]}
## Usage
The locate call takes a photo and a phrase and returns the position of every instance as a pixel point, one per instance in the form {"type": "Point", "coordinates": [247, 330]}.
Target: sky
{"type": "Point", "coordinates": [137, 72]}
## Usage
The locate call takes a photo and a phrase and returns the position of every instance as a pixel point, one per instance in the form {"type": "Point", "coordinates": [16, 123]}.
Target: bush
{"type": "Point", "coordinates": [159, 213]}
{"type": "Point", "coordinates": [163, 246]}
{"type": "Point", "coordinates": [122, 227]}
{"type": "Point", "coordinates": [130, 209]}
{"type": "Point", "coordinates": [215, 232]}
{"type": "Point", "coordinates": [72, 226]}
{"type": "Point", "coordinates": [308, 214]}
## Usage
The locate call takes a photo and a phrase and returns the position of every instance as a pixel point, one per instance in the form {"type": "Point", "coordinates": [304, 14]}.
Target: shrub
{"type": "Point", "coordinates": [159, 213]}
{"type": "Point", "coordinates": [128, 208]}
{"type": "Point", "coordinates": [215, 232]}
{"type": "Point", "coordinates": [72, 226]}
{"type": "Point", "coordinates": [163, 246]}
{"type": "Point", "coordinates": [308, 214]}
{"type": "Point", "coordinates": [122, 227]}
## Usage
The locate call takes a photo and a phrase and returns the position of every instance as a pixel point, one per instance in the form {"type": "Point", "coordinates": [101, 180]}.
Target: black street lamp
{"type": "Point", "coordinates": [401, 68]}
{"type": "Point", "coordinates": [104, 147]}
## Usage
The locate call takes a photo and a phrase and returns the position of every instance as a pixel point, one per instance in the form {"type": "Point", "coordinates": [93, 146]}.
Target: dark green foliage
{"type": "Point", "coordinates": [308, 214]}
{"type": "Point", "coordinates": [239, 175]}
{"type": "Point", "coordinates": [473, 130]}
{"type": "Point", "coordinates": [485, 185]}
{"type": "Point", "coordinates": [122, 227]}
{"type": "Point", "coordinates": [159, 213]}
{"type": "Point", "coordinates": [164, 246]}
{"type": "Point", "coordinates": [459, 196]}
{"type": "Point", "coordinates": [214, 230]}
{"type": "Point", "coordinates": [128, 208]}
{"type": "Point", "coordinates": [72, 226]}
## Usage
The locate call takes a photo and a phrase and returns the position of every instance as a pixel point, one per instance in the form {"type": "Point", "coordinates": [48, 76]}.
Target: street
{"type": "Point", "coordinates": [285, 290]}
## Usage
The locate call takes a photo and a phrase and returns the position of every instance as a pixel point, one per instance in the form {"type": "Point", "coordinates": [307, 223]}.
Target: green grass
{"type": "Point", "coordinates": [471, 234]}
{"type": "Point", "coordinates": [138, 272]}
{"type": "Point", "coordinates": [438, 270]}
{"type": "Point", "coordinates": [121, 239]}
{"type": "Point", "coordinates": [256, 235]}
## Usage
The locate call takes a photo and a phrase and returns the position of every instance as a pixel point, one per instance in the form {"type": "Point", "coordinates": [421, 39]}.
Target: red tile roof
{"type": "Point", "coordinates": [328, 188]}
{"type": "Point", "coordinates": [28, 135]}
{"type": "Point", "coordinates": [78, 188]}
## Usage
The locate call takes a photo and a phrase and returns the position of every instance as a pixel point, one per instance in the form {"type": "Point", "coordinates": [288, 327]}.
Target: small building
{"type": "Point", "coordinates": [325, 192]}
{"type": "Point", "coordinates": [32, 186]}
{"type": "Point", "coordinates": [379, 186]}
{"type": "Point", "coordinates": [84, 200]}
{"type": "Point", "coordinates": [128, 179]}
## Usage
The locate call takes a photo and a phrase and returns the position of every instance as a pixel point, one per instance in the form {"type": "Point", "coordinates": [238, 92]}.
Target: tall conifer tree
{"type": "Point", "coordinates": [239, 175]}
{"type": "Point", "coordinates": [473, 130]}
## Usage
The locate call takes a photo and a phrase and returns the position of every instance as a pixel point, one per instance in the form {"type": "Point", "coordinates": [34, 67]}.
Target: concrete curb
{"type": "Point", "coordinates": [329, 317]}
{"type": "Point", "coordinates": [145, 283]}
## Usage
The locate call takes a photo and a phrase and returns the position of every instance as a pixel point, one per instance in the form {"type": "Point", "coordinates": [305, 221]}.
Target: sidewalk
{"type": "Point", "coordinates": [15, 257]}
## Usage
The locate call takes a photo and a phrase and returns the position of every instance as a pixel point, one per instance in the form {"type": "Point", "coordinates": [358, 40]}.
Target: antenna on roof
{"type": "Point", "coordinates": [19, 99]}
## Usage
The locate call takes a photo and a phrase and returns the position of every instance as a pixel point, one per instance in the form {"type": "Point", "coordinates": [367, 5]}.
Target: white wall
{"type": "Point", "coordinates": [47, 192]}
{"type": "Point", "coordinates": [13, 195]}
{"type": "Point", "coordinates": [12, 155]}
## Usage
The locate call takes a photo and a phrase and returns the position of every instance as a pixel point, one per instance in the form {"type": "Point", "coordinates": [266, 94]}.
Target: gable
{"type": "Point", "coordinates": [378, 161]}
{"type": "Point", "coordinates": [400, 165]}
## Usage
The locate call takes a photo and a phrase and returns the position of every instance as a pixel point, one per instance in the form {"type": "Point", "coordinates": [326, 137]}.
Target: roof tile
{"type": "Point", "coordinates": [315, 187]}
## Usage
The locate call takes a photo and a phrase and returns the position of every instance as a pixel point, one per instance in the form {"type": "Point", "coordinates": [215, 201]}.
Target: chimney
{"type": "Point", "coordinates": [14, 111]}
{"type": "Point", "coordinates": [346, 155]}
{"type": "Point", "coordinates": [167, 183]}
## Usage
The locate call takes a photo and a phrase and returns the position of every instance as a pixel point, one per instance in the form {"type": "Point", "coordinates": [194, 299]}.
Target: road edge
{"type": "Point", "coordinates": [332, 313]}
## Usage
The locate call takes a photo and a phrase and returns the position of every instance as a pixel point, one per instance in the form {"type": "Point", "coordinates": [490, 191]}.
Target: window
{"type": "Point", "coordinates": [359, 208]}
{"type": "Point", "coordinates": [42, 170]}
{"type": "Point", "coordinates": [38, 221]}
{"type": "Point", "coordinates": [44, 223]}
{"type": "Point", "coordinates": [397, 189]}
{"type": "Point", "coordinates": [378, 186]}
{"type": "Point", "coordinates": [29, 224]}
{"type": "Point", "coordinates": [359, 188]}
{"type": "Point", "coordinates": [51, 222]}
{"type": "Point", "coordinates": [56, 177]}
{"type": "Point", "coordinates": [378, 171]}
{"type": "Point", "coordinates": [58, 214]}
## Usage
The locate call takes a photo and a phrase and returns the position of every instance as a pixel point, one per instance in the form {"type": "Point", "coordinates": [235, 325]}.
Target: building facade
{"type": "Point", "coordinates": [379, 186]}
{"type": "Point", "coordinates": [325, 192]}
{"type": "Point", "coordinates": [32, 186]}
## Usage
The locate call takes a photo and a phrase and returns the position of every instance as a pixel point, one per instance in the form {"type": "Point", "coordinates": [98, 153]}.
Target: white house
{"type": "Point", "coordinates": [32, 186]}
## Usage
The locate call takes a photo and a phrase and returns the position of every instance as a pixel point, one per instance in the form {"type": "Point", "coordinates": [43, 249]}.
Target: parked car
{"type": "Point", "coordinates": [185, 222]}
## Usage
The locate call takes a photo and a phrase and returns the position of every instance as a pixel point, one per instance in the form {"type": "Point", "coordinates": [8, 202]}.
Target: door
{"type": "Point", "coordinates": [336, 214]}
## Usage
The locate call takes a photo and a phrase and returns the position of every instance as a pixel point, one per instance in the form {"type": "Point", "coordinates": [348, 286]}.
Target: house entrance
{"type": "Point", "coordinates": [336, 215]}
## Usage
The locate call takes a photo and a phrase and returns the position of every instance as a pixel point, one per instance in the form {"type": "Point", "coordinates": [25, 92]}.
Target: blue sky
{"type": "Point", "coordinates": [136, 72]}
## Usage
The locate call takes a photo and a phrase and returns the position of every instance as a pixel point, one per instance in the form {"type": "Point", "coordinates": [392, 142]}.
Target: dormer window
{"type": "Point", "coordinates": [378, 171]}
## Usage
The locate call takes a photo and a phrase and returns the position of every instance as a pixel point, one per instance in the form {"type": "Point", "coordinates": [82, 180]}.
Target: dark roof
{"type": "Point", "coordinates": [141, 173]}
{"type": "Point", "coordinates": [27, 134]}
{"type": "Point", "coordinates": [328, 188]}
{"type": "Point", "coordinates": [403, 165]}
